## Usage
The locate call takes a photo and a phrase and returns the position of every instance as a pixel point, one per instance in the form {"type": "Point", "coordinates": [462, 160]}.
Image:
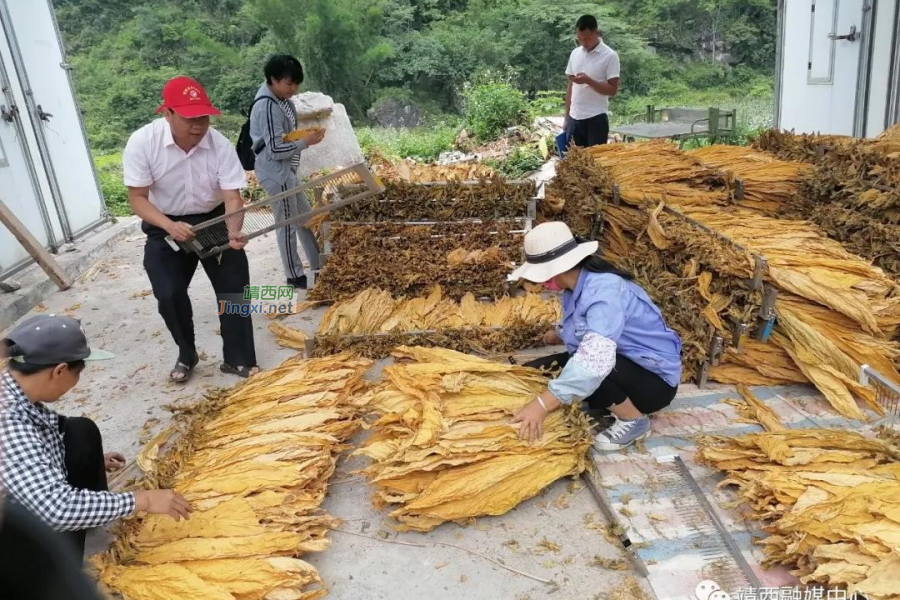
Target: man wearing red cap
{"type": "Point", "coordinates": [181, 172]}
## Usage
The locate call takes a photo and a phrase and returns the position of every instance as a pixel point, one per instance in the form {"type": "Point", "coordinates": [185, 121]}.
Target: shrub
{"type": "Point", "coordinates": [109, 171]}
{"type": "Point", "coordinates": [520, 162]}
{"type": "Point", "coordinates": [420, 143]}
{"type": "Point", "coordinates": [492, 107]}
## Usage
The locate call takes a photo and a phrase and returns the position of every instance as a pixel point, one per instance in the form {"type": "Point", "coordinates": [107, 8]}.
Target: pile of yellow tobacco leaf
{"type": "Point", "coordinates": [829, 500]}
{"type": "Point", "coordinates": [414, 172]}
{"type": "Point", "coordinates": [374, 311]}
{"type": "Point", "coordinates": [768, 182]}
{"type": "Point", "coordinates": [443, 448]}
{"type": "Point", "coordinates": [254, 462]}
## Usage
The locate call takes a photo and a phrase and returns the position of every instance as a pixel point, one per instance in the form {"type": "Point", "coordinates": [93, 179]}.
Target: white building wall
{"type": "Point", "coordinates": [880, 71]}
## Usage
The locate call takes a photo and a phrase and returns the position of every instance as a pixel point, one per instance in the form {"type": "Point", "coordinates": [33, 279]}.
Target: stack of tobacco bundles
{"type": "Point", "coordinates": [254, 462]}
{"type": "Point", "coordinates": [443, 448]}
{"type": "Point", "coordinates": [829, 500]}
{"type": "Point", "coordinates": [853, 193]}
{"type": "Point", "coordinates": [768, 183]}
{"type": "Point", "coordinates": [837, 311]}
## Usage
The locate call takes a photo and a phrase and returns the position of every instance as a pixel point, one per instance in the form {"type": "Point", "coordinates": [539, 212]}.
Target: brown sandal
{"type": "Point", "coordinates": [184, 370]}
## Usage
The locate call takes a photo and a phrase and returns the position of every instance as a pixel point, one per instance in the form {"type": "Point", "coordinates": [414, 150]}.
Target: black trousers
{"type": "Point", "coordinates": [647, 390]}
{"type": "Point", "coordinates": [85, 467]}
{"type": "Point", "coordinates": [170, 275]}
{"type": "Point", "coordinates": [589, 132]}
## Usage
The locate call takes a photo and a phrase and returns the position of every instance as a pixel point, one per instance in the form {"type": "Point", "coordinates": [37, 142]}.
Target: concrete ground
{"type": "Point", "coordinates": [126, 397]}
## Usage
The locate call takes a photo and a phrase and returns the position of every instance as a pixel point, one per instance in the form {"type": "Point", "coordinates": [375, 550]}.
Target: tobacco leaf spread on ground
{"type": "Point", "coordinates": [373, 323]}
{"type": "Point", "coordinates": [254, 462]}
{"type": "Point", "coordinates": [829, 500]}
{"type": "Point", "coordinates": [443, 448]}
{"type": "Point", "coordinates": [407, 260]}
{"type": "Point", "coordinates": [405, 201]}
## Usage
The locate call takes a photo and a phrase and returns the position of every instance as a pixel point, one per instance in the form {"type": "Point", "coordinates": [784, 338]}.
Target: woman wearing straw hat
{"type": "Point", "coordinates": [620, 355]}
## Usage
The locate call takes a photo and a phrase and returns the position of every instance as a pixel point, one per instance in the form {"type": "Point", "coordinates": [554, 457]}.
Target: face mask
{"type": "Point", "coordinates": [551, 285]}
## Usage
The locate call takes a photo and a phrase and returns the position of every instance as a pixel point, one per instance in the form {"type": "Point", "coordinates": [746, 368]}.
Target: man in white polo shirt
{"type": "Point", "coordinates": [181, 172]}
{"type": "Point", "coordinates": [593, 72]}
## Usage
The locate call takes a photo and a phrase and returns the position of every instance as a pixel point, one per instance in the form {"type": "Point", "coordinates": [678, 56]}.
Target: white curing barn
{"type": "Point", "coordinates": [47, 178]}
{"type": "Point", "coordinates": [838, 66]}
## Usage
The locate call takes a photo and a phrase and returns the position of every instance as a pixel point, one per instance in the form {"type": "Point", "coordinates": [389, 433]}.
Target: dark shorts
{"type": "Point", "coordinates": [648, 391]}
{"type": "Point", "coordinates": [589, 132]}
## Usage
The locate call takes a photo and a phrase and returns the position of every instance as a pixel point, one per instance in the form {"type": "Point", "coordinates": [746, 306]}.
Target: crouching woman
{"type": "Point", "coordinates": [620, 355]}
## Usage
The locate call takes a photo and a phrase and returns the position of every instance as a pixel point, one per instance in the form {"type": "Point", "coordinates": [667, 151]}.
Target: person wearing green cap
{"type": "Point", "coordinates": [54, 466]}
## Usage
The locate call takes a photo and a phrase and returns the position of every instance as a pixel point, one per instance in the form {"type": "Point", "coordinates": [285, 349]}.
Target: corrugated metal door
{"type": "Point", "coordinates": [18, 186]}
{"type": "Point", "coordinates": [54, 114]}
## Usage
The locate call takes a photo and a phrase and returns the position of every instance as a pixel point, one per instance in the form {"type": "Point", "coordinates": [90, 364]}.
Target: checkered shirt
{"type": "Point", "coordinates": [33, 468]}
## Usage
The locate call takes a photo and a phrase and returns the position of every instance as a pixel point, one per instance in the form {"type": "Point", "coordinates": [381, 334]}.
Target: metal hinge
{"type": "Point", "coordinates": [9, 114]}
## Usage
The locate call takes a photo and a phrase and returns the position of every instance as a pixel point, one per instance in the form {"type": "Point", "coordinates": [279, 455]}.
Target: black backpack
{"type": "Point", "coordinates": [246, 153]}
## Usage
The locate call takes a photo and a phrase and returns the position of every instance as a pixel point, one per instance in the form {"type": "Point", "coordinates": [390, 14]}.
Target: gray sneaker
{"type": "Point", "coordinates": [622, 434]}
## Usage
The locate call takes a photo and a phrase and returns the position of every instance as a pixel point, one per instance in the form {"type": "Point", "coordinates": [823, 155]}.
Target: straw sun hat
{"type": "Point", "coordinates": [551, 249]}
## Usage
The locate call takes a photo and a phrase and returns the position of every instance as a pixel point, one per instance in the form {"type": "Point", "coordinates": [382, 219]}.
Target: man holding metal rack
{"type": "Point", "coordinates": [181, 172]}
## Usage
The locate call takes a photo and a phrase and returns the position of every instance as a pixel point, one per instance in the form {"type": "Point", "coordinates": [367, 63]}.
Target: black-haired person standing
{"type": "Point", "coordinates": [273, 115]}
{"type": "Point", "coordinates": [593, 73]}
{"type": "Point", "coordinates": [54, 466]}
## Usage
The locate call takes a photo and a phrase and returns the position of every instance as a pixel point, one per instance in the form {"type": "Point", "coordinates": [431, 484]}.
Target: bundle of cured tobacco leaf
{"type": "Point", "coordinates": [768, 182]}
{"type": "Point", "coordinates": [373, 323]}
{"type": "Point", "coordinates": [827, 499]}
{"type": "Point", "coordinates": [444, 450]}
{"type": "Point", "coordinates": [254, 462]}
{"type": "Point", "coordinates": [577, 193]}
{"type": "Point", "coordinates": [408, 260]}
{"type": "Point", "coordinates": [455, 200]}
{"type": "Point", "coordinates": [804, 147]}
{"type": "Point", "coordinates": [687, 273]}
{"type": "Point", "coordinates": [803, 261]}
{"type": "Point", "coordinates": [659, 172]}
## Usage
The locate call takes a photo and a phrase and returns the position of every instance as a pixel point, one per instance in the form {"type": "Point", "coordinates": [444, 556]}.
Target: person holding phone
{"type": "Point", "coordinates": [593, 73]}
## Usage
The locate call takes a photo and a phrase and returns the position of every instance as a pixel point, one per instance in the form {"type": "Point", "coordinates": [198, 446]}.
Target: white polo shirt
{"type": "Point", "coordinates": [600, 64]}
{"type": "Point", "coordinates": [181, 183]}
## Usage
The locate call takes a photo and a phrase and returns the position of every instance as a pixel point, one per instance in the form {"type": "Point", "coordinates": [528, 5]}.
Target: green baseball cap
{"type": "Point", "coordinates": [51, 340]}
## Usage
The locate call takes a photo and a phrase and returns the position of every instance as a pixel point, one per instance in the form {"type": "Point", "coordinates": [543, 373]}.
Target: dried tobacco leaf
{"type": "Point", "coordinates": [577, 194]}
{"type": "Point", "coordinates": [406, 260]}
{"type": "Point", "coordinates": [659, 172]}
{"type": "Point", "coordinates": [413, 172]}
{"type": "Point", "coordinates": [768, 183]}
{"type": "Point", "coordinates": [444, 449]}
{"type": "Point", "coordinates": [404, 201]}
{"type": "Point", "coordinates": [254, 462]}
{"type": "Point", "coordinates": [827, 499]}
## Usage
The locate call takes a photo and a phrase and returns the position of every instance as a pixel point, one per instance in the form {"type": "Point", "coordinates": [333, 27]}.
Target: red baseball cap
{"type": "Point", "coordinates": [187, 98]}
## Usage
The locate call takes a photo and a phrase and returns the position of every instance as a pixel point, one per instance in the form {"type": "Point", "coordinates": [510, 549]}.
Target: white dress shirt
{"type": "Point", "coordinates": [600, 64]}
{"type": "Point", "coordinates": [181, 183]}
